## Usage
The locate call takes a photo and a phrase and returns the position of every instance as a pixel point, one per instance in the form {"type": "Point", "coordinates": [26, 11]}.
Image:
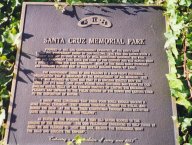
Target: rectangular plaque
{"type": "Point", "coordinates": [97, 71]}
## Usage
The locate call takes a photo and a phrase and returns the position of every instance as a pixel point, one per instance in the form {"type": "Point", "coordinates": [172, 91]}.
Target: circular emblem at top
{"type": "Point", "coordinates": [94, 20]}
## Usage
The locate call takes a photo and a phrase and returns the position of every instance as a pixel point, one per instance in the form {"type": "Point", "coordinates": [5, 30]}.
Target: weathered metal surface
{"type": "Point", "coordinates": [94, 70]}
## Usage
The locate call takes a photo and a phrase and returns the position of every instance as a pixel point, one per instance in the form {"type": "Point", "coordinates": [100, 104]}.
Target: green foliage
{"type": "Point", "coordinates": [178, 47]}
{"type": "Point", "coordinates": [178, 15]}
{"type": "Point", "coordinates": [71, 2]}
{"type": "Point", "coordinates": [9, 23]}
{"type": "Point", "coordinates": [78, 140]}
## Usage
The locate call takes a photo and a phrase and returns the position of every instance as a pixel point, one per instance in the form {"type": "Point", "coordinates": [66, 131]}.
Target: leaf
{"type": "Point", "coordinates": [17, 3]}
{"type": "Point", "coordinates": [177, 27]}
{"type": "Point", "coordinates": [171, 61]}
{"type": "Point", "coordinates": [180, 140]}
{"type": "Point", "coordinates": [3, 58]}
{"type": "Point", "coordinates": [72, 2]}
{"type": "Point", "coordinates": [17, 39]}
{"type": "Point", "coordinates": [186, 123]}
{"type": "Point", "coordinates": [69, 143]}
{"type": "Point", "coordinates": [5, 19]}
{"type": "Point", "coordinates": [184, 102]}
{"type": "Point", "coordinates": [148, 2]}
{"type": "Point", "coordinates": [4, 93]}
{"type": "Point", "coordinates": [190, 140]}
{"type": "Point", "coordinates": [1, 5]}
{"type": "Point", "coordinates": [13, 30]}
{"type": "Point", "coordinates": [2, 117]}
{"type": "Point", "coordinates": [69, 2]}
{"type": "Point", "coordinates": [40, 0]}
{"type": "Point", "coordinates": [170, 39]}
{"type": "Point", "coordinates": [171, 43]}
{"type": "Point", "coordinates": [1, 48]}
{"type": "Point", "coordinates": [178, 94]}
{"type": "Point", "coordinates": [59, 6]}
{"type": "Point", "coordinates": [189, 64]}
{"type": "Point", "coordinates": [182, 2]}
{"type": "Point", "coordinates": [124, 1]}
{"type": "Point", "coordinates": [185, 3]}
{"type": "Point", "coordinates": [79, 139]}
{"type": "Point", "coordinates": [174, 50]}
{"type": "Point", "coordinates": [174, 82]}
{"type": "Point", "coordinates": [186, 144]}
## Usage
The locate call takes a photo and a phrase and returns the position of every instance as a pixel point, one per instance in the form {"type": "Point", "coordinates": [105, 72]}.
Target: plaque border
{"type": "Point", "coordinates": [19, 49]}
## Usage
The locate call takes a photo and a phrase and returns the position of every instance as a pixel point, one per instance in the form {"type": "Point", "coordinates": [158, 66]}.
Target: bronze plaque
{"type": "Point", "coordinates": [97, 71]}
